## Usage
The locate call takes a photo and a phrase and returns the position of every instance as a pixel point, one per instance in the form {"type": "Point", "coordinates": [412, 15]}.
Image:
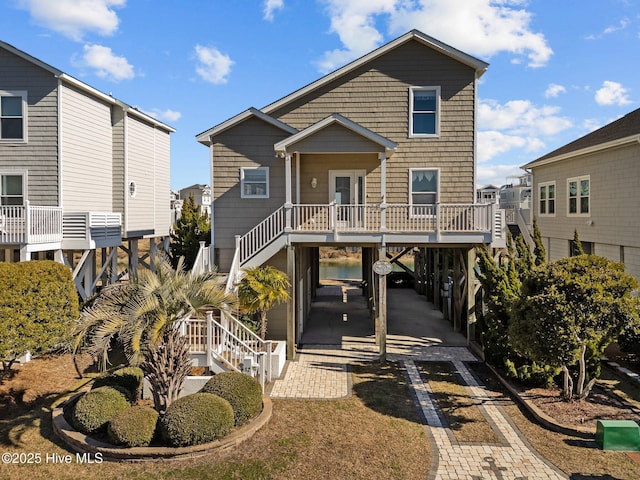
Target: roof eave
{"type": "Point", "coordinates": [478, 65]}
{"type": "Point", "coordinates": [205, 137]}
{"type": "Point", "coordinates": [584, 151]}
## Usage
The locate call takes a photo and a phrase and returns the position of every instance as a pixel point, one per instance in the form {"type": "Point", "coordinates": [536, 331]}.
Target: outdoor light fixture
{"type": "Point", "coordinates": [314, 182]}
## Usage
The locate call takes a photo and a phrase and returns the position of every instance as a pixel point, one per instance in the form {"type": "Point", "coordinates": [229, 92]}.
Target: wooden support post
{"type": "Point", "coordinates": [133, 258]}
{"type": "Point", "coordinates": [446, 313]}
{"type": "Point", "coordinates": [291, 310]}
{"type": "Point", "coordinates": [436, 278]}
{"type": "Point", "coordinates": [382, 309]}
{"type": "Point", "coordinates": [457, 301]}
{"type": "Point", "coordinates": [153, 254]}
{"type": "Point", "coordinates": [471, 295]}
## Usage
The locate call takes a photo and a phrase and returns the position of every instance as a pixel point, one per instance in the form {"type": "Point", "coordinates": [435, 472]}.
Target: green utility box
{"type": "Point", "coordinates": [618, 435]}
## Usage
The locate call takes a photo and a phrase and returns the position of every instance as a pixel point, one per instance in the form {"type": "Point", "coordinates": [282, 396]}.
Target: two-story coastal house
{"type": "Point", "coordinates": [590, 186]}
{"type": "Point", "coordinates": [80, 172]}
{"type": "Point", "coordinates": [377, 154]}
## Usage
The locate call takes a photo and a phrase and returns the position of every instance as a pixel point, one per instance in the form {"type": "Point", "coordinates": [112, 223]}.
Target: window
{"type": "Point", "coordinates": [133, 189]}
{"type": "Point", "coordinates": [11, 189]}
{"type": "Point", "coordinates": [423, 191]}
{"type": "Point", "coordinates": [254, 182]}
{"type": "Point", "coordinates": [579, 194]}
{"type": "Point", "coordinates": [547, 198]}
{"type": "Point", "coordinates": [13, 116]}
{"type": "Point", "coordinates": [424, 106]}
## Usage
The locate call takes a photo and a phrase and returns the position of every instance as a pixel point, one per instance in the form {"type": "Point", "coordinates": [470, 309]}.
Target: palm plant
{"type": "Point", "coordinates": [260, 289]}
{"type": "Point", "coordinates": [144, 316]}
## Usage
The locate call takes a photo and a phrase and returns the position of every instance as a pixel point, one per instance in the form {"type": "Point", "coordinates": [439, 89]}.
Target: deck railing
{"type": "Point", "coordinates": [369, 218]}
{"type": "Point", "coordinates": [230, 343]}
{"type": "Point", "coordinates": [26, 224]}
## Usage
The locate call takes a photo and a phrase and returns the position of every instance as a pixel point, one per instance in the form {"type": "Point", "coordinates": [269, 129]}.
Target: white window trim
{"type": "Point", "coordinates": [555, 198]}
{"type": "Point", "coordinates": [242, 170]}
{"type": "Point", "coordinates": [438, 111]}
{"type": "Point", "coordinates": [578, 213]}
{"type": "Point", "coordinates": [23, 94]}
{"type": "Point", "coordinates": [23, 174]}
{"type": "Point", "coordinates": [411, 170]}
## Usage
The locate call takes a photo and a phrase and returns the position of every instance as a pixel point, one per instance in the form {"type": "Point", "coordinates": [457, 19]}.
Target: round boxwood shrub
{"type": "Point", "coordinates": [195, 419]}
{"type": "Point", "coordinates": [243, 392]}
{"type": "Point", "coordinates": [130, 378]}
{"type": "Point", "coordinates": [133, 426]}
{"type": "Point", "coordinates": [95, 409]}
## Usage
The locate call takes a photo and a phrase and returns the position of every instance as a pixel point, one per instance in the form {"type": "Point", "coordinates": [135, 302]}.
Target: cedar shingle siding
{"type": "Point", "coordinates": [374, 95]}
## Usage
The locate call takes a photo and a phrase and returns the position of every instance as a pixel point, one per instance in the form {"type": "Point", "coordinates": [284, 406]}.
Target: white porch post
{"type": "Point", "coordinates": [383, 191]}
{"type": "Point", "coordinates": [381, 313]}
{"type": "Point", "coordinates": [287, 187]}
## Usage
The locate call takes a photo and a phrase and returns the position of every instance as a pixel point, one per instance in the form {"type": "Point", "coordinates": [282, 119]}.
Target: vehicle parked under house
{"type": "Point", "coordinates": [378, 154]}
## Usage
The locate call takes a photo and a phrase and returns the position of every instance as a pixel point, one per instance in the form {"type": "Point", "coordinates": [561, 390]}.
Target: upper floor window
{"type": "Point", "coordinates": [13, 116]}
{"type": "Point", "coordinates": [423, 193]}
{"type": "Point", "coordinates": [547, 198]}
{"type": "Point", "coordinates": [11, 189]}
{"type": "Point", "coordinates": [579, 191]}
{"type": "Point", "coordinates": [424, 111]}
{"type": "Point", "coordinates": [254, 182]}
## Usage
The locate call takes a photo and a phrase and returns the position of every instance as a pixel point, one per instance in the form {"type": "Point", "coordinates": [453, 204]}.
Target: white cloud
{"type": "Point", "coordinates": [496, 174]}
{"type": "Point", "coordinates": [73, 18]}
{"type": "Point", "coordinates": [106, 63]}
{"type": "Point", "coordinates": [624, 23]}
{"type": "Point", "coordinates": [213, 66]}
{"type": "Point", "coordinates": [354, 23]}
{"type": "Point", "coordinates": [270, 6]}
{"type": "Point", "coordinates": [612, 93]}
{"type": "Point", "coordinates": [167, 115]}
{"type": "Point", "coordinates": [516, 125]}
{"type": "Point", "coordinates": [521, 117]}
{"type": "Point", "coordinates": [480, 27]}
{"type": "Point", "coordinates": [553, 90]}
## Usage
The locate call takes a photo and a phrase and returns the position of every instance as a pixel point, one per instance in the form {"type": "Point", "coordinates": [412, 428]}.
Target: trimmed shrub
{"type": "Point", "coordinates": [133, 426]}
{"type": "Point", "coordinates": [195, 419]}
{"type": "Point", "coordinates": [95, 409]}
{"type": "Point", "coordinates": [38, 307]}
{"type": "Point", "coordinates": [243, 392]}
{"type": "Point", "coordinates": [129, 378]}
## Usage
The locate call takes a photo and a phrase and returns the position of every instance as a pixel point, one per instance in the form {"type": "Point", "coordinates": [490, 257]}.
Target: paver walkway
{"type": "Point", "coordinates": [321, 372]}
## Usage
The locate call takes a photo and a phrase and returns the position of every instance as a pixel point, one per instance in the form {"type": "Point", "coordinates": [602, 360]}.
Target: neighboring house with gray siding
{"type": "Point", "coordinates": [591, 186]}
{"type": "Point", "coordinates": [201, 196]}
{"type": "Point", "coordinates": [379, 152]}
{"type": "Point", "coordinates": [79, 171]}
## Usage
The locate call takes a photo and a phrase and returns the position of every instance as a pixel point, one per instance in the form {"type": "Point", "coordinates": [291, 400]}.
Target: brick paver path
{"type": "Point", "coordinates": [323, 373]}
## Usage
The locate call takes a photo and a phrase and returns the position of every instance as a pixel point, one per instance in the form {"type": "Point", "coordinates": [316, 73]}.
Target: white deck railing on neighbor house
{"type": "Point", "coordinates": [203, 262]}
{"type": "Point", "coordinates": [230, 343]}
{"type": "Point", "coordinates": [26, 224]}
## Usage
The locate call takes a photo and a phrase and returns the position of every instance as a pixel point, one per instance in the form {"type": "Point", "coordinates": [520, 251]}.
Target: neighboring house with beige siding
{"type": "Point", "coordinates": [379, 152]}
{"type": "Point", "coordinates": [591, 186]}
{"type": "Point", "coordinates": [80, 171]}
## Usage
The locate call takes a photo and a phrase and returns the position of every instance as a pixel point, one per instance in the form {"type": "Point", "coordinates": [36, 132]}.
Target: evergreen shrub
{"type": "Point", "coordinates": [195, 419]}
{"type": "Point", "coordinates": [95, 409]}
{"type": "Point", "coordinates": [243, 392]}
{"type": "Point", "coordinates": [133, 427]}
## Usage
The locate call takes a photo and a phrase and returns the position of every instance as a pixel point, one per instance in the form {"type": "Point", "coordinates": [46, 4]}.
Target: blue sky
{"type": "Point", "coordinates": [558, 69]}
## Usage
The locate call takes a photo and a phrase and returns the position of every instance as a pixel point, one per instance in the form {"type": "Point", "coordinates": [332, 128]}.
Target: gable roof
{"type": "Point", "coordinates": [84, 87]}
{"type": "Point", "coordinates": [205, 137]}
{"type": "Point", "coordinates": [478, 65]}
{"type": "Point", "coordinates": [336, 118]}
{"type": "Point", "coordinates": [622, 131]}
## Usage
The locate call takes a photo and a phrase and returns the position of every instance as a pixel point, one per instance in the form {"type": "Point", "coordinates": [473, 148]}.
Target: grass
{"type": "Point", "coordinates": [373, 434]}
{"type": "Point", "coordinates": [465, 419]}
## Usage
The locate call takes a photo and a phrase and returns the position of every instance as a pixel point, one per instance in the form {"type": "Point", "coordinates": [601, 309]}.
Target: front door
{"type": "Point", "coordinates": [346, 189]}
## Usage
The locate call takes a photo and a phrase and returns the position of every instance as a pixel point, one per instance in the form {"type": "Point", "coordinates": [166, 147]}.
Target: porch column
{"type": "Point", "coordinates": [381, 312]}
{"type": "Point", "coordinates": [383, 192]}
{"type": "Point", "coordinates": [287, 191]}
{"type": "Point", "coordinates": [471, 295]}
{"type": "Point", "coordinates": [291, 304]}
